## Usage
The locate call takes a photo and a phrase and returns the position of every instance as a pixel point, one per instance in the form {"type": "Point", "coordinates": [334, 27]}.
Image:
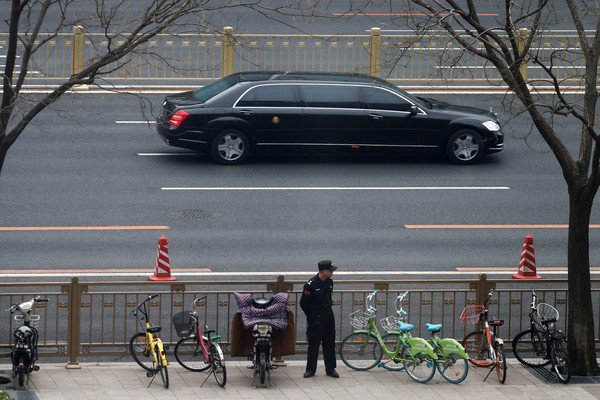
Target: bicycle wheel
{"type": "Point", "coordinates": [500, 362]}
{"type": "Point", "coordinates": [529, 347]}
{"type": "Point", "coordinates": [219, 365]}
{"type": "Point", "coordinates": [162, 368]}
{"type": "Point", "coordinates": [418, 368]}
{"type": "Point", "coordinates": [560, 361]}
{"type": "Point", "coordinates": [477, 348]}
{"type": "Point", "coordinates": [21, 373]}
{"type": "Point", "coordinates": [262, 368]}
{"type": "Point", "coordinates": [188, 353]}
{"type": "Point", "coordinates": [454, 368]}
{"type": "Point", "coordinates": [141, 353]}
{"type": "Point", "coordinates": [390, 341]}
{"type": "Point", "coordinates": [360, 351]}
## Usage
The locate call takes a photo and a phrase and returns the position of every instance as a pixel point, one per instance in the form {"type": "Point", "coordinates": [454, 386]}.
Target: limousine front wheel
{"type": "Point", "coordinates": [230, 147]}
{"type": "Point", "coordinates": [464, 147]}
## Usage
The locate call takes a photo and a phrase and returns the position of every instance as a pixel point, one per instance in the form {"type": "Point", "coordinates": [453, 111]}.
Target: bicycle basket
{"type": "Point", "coordinates": [183, 323]}
{"type": "Point", "coordinates": [360, 319]}
{"type": "Point", "coordinates": [470, 315]}
{"type": "Point", "coordinates": [390, 324]}
{"type": "Point", "coordinates": [546, 311]}
{"type": "Point", "coordinates": [34, 320]}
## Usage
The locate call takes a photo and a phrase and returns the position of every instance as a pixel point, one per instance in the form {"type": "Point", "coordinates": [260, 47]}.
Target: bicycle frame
{"type": "Point", "coordinates": [152, 342]}
{"type": "Point", "coordinates": [419, 346]}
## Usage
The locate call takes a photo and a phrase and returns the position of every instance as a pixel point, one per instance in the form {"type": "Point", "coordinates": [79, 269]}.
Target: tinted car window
{"type": "Point", "coordinates": [214, 88]}
{"type": "Point", "coordinates": [330, 96]}
{"type": "Point", "coordinates": [380, 99]}
{"type": "Point", "coordinates": [269, 96]}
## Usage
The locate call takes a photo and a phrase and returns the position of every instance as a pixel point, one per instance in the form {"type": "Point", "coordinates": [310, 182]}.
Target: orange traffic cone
{"type": "Point", "coordinates": [162, 269]}
{"type": "Point", "coordinates": [527, 264]}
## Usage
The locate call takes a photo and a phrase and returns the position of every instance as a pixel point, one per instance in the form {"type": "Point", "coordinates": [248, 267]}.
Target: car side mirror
{"type": "Point", "coordinates": [414, 110]}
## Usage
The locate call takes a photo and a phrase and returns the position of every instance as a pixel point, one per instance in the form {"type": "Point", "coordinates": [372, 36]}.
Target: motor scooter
{"type": "Point", "coordinates": [260, 332]}
{"type": "Point", "coordinates": [24, 351]}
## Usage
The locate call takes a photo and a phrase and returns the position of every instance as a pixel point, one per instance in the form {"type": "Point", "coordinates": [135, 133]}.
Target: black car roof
{"type": "Point", "coordinates": [303, 75]}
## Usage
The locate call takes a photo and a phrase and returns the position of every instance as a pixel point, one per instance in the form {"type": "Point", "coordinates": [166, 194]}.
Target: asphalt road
{"type": "Point", "coordinates": [91, 163]}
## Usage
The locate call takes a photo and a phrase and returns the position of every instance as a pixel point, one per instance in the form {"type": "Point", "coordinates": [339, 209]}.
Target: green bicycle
{"type": "Point", "coordinates": [364, 348]}
{"type": "Point", "coordinates": [452, 358]}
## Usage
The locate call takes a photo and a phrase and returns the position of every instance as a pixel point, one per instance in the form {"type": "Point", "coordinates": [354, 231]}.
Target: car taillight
{"type": "Point", "coordinates": [177, 118]}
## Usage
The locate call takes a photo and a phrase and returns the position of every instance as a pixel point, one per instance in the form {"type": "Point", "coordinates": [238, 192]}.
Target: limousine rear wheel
{"type": "Point", "coordinates": [464, 147]}
{"type": "Point", "coordinates": [230, 147]}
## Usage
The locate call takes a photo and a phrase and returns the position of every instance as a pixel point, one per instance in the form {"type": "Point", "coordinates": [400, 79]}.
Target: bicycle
{"type": "Point", "coordinates": [146, 347]}
{"type": "Point", "coordinates": [541, 344]}
{"type": "Point", "coordinates": [24, 351]}
{"type": "Point", "coordinates": [364, 348]}
{"type": "Point", "coordinates": [196, 351]}
{"type": "Point", "coordinates": [452, 358]}
{"type": "Point", "coordinates": [485, 348]}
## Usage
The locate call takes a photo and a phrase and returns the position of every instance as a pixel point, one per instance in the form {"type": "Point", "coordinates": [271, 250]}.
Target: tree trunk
{"type": "Point", "coordinates": [581, 345]}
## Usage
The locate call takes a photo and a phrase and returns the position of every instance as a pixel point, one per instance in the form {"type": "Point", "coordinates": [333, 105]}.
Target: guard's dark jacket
{"type": "Point", "coordinates": [316, 302]}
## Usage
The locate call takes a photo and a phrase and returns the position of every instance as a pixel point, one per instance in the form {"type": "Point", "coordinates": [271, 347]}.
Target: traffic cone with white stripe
{"type": "Point", "coordinates": [162, 269]}
{"type": "Point", "coordinates": [527, 264]}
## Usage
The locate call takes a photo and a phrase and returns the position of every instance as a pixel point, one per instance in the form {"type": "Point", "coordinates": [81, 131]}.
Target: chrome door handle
{"type": "Point", "coordinates": [246, 112]}
{"type": "Point", "coordinates": [376, 116]}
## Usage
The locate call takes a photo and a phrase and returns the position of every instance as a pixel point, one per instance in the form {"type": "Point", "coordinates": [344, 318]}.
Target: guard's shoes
{"type": "Point", "coordinates": [309, 373]}
{"type": "Point", "coordinates": [333, 374]}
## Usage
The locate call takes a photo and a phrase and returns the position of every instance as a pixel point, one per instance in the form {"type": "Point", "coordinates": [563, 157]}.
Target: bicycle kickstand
{"type": "Point", "coordinates": [210, 371]}
{"type": "Point", "coordinates": [491, 369]}
{"type": "Point", "coordinates": [152, 375]}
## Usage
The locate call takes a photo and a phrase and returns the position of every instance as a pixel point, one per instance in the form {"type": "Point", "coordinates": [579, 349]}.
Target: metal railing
{"type": "Point", "coordinates": [202, 57]}
{"type": "Point", "coordinates": [94, 318]}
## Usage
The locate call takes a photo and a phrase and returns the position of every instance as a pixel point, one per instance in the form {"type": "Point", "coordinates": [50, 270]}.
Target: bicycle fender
{"type": "Point", "coordinates": [450, 346]}
{"type": "Point", "coordinates": [421, 346]}
{"type": "Point", "coordinates": [161, 350]}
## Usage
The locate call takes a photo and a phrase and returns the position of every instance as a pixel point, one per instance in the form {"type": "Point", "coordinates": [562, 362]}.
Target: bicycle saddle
{"type": "Point", "coordinates": [404, 327]}
{"type": "Point", "coordinates": [434, 327]}
{"type": "Point", "coordinates": [153, 329]}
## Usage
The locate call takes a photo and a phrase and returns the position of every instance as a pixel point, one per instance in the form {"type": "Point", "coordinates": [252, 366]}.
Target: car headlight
{"type": "Point", "coordinates": [491, 125]}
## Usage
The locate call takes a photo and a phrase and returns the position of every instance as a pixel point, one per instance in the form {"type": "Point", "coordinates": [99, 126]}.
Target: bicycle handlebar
{"type": "Point", "coordinates": [369, 298]}
{"type": "Point", "coordinates": [36, 299]}
{"type": "Point", "coordinates": [398, 304]}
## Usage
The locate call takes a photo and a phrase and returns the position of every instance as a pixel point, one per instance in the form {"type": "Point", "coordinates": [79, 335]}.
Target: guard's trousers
{"type": "Point", "coordinates": [321, 329]}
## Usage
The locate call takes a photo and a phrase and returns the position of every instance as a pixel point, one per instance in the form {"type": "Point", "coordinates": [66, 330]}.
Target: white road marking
{"type": "Point", "coordinates": [341, 188]}
{"type": "Point", "coordinates": [166, 154]}
{"type": "Point", "coordinates": [309, 273]}
{"type": "Point", "coordinates": [136, 122]}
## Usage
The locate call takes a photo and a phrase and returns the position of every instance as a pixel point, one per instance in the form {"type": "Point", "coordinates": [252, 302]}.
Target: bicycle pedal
{"type": "Point", "coordinates": [274, 366]}
{"type": "Point", "coordinates": [149, 374]}
{"type": "Point", "coordinates": [35, 368]}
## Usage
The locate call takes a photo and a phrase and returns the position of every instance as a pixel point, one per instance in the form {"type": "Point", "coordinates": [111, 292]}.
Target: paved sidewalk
{"type": "Point", "coordinates": [125, 380]}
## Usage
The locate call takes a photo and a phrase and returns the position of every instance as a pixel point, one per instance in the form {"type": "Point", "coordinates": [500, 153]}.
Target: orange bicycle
{"type": "Point", "coordinates": [484, 347]}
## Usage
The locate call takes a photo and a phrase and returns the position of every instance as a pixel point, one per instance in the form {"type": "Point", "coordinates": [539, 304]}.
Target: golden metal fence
{"type": "Point", "coordinates": [202, 57]}
{"type": "Point", "coordinates": [84, 319]}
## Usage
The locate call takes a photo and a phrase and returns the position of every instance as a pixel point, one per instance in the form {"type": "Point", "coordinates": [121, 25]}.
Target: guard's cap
{"type": "Point", "coordinates": [326, 265]}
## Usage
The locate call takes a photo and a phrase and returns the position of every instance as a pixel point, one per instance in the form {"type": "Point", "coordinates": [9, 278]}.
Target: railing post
{"type": "Point", "coordinates": [227, 44]}
{"type": "Point", "coordinates": [279, 286]}
{"type": "Point", "coordinates": [74, 323]}
{"type": "Point", "coordinates": [521, 40]}
{"type": "Point", "coordinates": [482, 288]}
{"type": "Point", "coordinates": [77, 51]}
{"type": "Point", "coordinates": [375, 52]}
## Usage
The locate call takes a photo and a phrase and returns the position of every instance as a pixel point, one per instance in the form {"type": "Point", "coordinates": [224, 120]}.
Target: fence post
{"type": "Point", "coordinates": [279, 286]}
{"type": "Point", "coordinates": [375, 52]}
{"type": "Point", "coordinates": [74, 323]}
{"type": "Point", "coordinates": [227, 44]}
{"type": "Point", "coordinates": [521, 40]}
{"type": "Point", "coordinates": [77, 50]}
{"type": "Point", "coordinates": [482, 288]}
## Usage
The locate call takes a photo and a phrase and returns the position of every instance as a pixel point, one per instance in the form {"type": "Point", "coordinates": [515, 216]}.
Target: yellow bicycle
{"type": "Point", "coordinates": [146, 347]}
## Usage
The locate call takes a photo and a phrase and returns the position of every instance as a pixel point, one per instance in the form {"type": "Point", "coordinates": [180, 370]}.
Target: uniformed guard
{"type": "Point", "coordinates": [316, 303]}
